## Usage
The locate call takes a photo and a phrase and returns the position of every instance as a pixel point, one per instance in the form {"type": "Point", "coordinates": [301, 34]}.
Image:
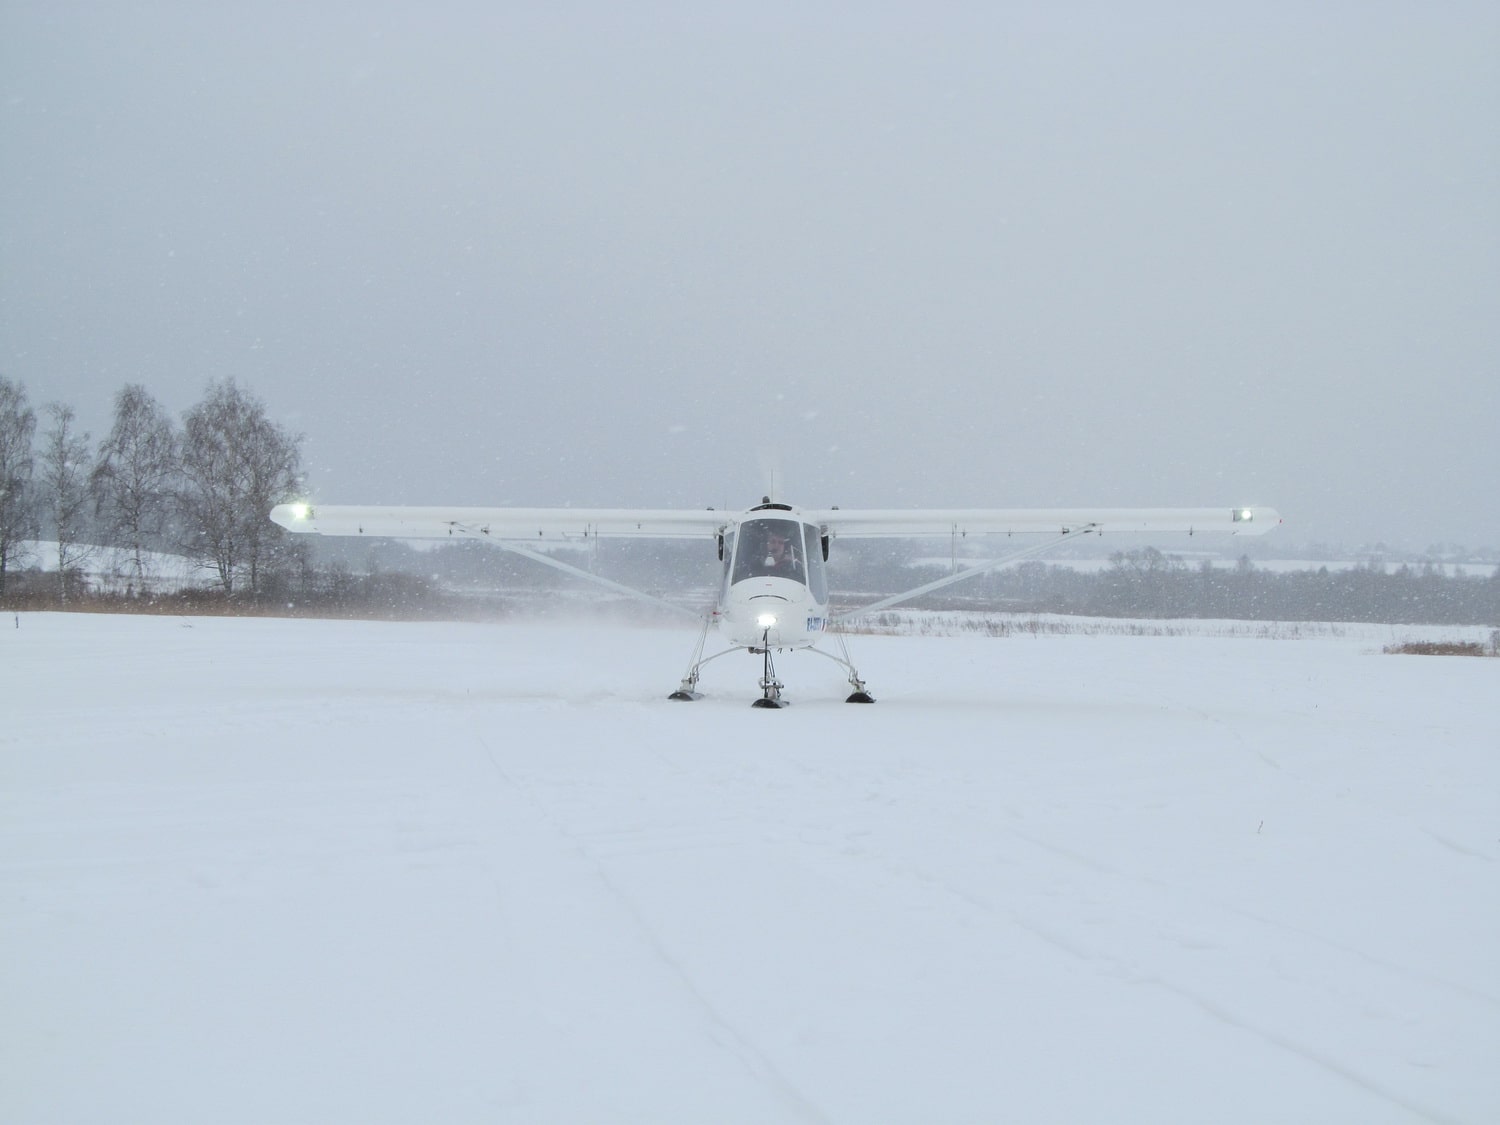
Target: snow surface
{"type": "Point", "coordinates": [111, 570]}
{"type": "Point", "coordinates": [300, 871]}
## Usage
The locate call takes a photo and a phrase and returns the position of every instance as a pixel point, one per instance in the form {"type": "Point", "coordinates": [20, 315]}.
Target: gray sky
{"type": "Point", "coordinates": [934, 255]}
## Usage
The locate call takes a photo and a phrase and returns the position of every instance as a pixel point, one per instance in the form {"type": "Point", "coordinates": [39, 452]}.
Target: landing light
{"type": "Point", "coordinates": [1243, 515]}
{"type": "Point", "coordinates": [301, 511]}
{"type": "Point", "coordinates": [766, 620]}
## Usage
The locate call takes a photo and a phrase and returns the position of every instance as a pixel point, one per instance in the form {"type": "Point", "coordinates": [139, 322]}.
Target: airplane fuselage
{"type": "Point", "coordinates": [774, 592]}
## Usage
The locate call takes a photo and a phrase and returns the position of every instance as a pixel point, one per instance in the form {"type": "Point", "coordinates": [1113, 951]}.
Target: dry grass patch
{"type": "Point", "coordinates": [1441, 648]}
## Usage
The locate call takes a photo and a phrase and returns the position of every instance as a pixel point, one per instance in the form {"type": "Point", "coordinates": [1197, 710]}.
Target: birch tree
{"type": "Point", "coordinates": [17, 507]}
{"type": "Point", "coordinates": [236, 465]}
{"type": "Point", "coordinates": [134, 475]}
{"type": "Point", "coordinates": [65, 493]}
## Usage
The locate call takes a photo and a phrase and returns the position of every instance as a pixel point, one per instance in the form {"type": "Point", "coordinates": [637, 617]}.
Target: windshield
{"type": "Point", "coordinates": [770, 547]}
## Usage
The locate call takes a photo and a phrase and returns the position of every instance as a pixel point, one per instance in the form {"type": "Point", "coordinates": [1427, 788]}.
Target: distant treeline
{"type": "Point", "coordinates": [1146, 583]}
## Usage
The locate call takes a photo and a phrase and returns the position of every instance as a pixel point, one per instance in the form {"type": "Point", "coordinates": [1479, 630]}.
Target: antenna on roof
{"type": "Point", "coordinates": [770, 459]}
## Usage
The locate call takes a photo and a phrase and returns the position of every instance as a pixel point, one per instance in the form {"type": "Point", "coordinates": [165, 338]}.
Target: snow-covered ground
{"type": "Point", "coordinates": [296, 871]}
{"type": "Point", "coordinates": [111, 570]}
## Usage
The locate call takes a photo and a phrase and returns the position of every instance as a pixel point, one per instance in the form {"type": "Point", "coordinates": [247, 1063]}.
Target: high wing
{"type": "Point", "coordinates": [871, 523]}
{"type": "Point", "coordinates": [574, 525]}
{"type": "Point", "coordinates": [528, 525]}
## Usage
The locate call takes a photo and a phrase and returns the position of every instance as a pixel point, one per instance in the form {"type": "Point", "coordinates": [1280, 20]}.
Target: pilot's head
{"type": "Point", "coordinates": [775, 546]}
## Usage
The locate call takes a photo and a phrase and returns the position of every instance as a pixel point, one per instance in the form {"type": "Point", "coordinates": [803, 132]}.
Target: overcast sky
{"type": "Point", "coordinates": [922, 255]}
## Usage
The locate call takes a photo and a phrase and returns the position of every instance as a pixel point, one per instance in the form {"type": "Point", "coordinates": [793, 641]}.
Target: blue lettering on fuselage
{"type": "Point", "coordinates": [816, 624]}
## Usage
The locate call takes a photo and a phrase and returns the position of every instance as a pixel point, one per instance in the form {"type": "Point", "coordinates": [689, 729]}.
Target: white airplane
{"type": "Point", "coordinates": [773, 595]}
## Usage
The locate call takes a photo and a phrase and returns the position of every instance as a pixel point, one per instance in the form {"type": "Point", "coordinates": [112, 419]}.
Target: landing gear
{"type": "Point", "coordinates": [859, 694]}
{"type": "Point", "coordinates": [688, 689]}
{"type": "Point", "coordinates": [770, 686]}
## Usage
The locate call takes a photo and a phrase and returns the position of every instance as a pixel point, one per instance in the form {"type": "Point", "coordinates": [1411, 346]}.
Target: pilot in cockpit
{"type": "Point", "coordinates": [781, 557]}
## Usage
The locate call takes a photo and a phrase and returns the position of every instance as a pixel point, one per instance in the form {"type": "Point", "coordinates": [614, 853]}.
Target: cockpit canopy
{"type": "Point", "coordinates": [780, 548]}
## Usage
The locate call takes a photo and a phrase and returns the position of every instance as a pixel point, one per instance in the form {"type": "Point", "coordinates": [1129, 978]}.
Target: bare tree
{"type": "Point", "coordinates": [65, 492]}
{"type": "Point", "coordinates": [17, 506]}
{"type": "Point", "coordinates": [134, 474]}
{"type": "Point", "coordinates": [236, 465]}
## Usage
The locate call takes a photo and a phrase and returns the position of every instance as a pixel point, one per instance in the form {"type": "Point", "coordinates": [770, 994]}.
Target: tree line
{"type": "Point", "coordinates": [201, 488]}
{"type": "Point", "coordinates": [1148, 583]}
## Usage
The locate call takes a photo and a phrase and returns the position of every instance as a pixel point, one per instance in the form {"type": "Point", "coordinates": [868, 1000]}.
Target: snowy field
{"type": "Point", "coordinates": [272, 871]}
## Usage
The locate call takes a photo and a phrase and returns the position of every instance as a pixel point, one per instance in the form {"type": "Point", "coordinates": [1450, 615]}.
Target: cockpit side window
{"type": "Point", "coordinates": [817, 569]}
{"type": "Point", "coordinates": [725, 579]}
{"type": "Point", "coordinates": [770, 548]}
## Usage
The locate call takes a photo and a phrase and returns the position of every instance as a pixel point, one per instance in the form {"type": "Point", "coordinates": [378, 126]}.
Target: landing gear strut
{"type": "Point", "coordinates": [688, 689]}
{"type": "Point", "coordinates": [770, 686]}
{"type": "Point", "coordinates": [859, 694]}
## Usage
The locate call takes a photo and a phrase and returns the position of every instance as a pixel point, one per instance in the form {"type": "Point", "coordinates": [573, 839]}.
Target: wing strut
{"type": "Point", "coordinates": [569, 568]}
{"type": "Point", "coordinates": [984, 568]}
